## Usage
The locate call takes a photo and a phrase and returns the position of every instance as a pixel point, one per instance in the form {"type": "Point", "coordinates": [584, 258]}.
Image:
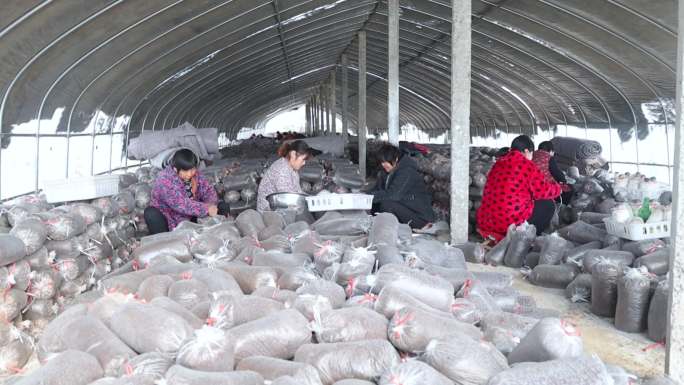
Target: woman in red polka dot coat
{"type": "Point", "coordinates": [515, 192]}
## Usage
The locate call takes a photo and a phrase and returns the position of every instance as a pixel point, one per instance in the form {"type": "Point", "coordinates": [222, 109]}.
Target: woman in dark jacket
{"type": "Point", "coordinates": [400, 189]}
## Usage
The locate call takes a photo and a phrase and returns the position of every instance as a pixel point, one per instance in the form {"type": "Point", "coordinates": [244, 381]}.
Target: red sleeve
{"type": "Point", "coordinates": [540, 187]}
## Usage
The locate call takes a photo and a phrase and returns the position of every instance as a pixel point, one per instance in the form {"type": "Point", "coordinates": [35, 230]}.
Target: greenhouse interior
{"type": "Point", "coordinates": [341, 192]}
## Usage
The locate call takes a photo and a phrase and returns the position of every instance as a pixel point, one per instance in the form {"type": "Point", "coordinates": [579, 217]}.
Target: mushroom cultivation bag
{"type": "Point", "coordinates": [604, 288]}
{"type": "Point", "coordinates": [273, 368]}
{"type": "Point", "coordinates": [553, 249]}
{"type": "Point", "coordinates": [71, 367]}
{"type": "Point", "coordinates": [179, 375]}
{"type": "Point", "coordinates": [583, 370]}
{"type": "Point", "coordinates": [550, 339]}
{"type": "Point", "coordinates": [634, 296]}
{"type": "Point", "coordinates": [593, 257]}
{"type": "Point", "coordinates": [553, 276]}
{"type": "Point", "coordinates": [210, 349]}
{"type": "Point", "coordinates": [505, 330]}
{"type": "Point", "coordinates": [32, 232]}
{"type": "Point", "coordinates": [657, 312]}
{"type": "Point", "coordinates": [520, 241]}
{"type": "Point", "coordinates": [657, 262]}
{"type": "Point", "coordinates": [363, 360]}
{"type": "Point", "coordinates": [411, 330]}
{"type": "Point", "coordinates": [432, 290]}
{"type": "Point", "coordinates": [582, 232]}
{"type": "Point", "coordinates": [147, 328]}
{"type": "Point", "coordinates": [349, 324]}
{"type": "Point", "coordinates": [278, 335]}
{"type": "Point", "coordinates": [12, 249]}
{"type": "Point", "coordinates": [393, 298]}
{"type": "Point", "coordinates": [464, 360]}
{"type": "Point", "coordinates": [413, 373]}
{"type": "Point", "coordinates": [579, 290]}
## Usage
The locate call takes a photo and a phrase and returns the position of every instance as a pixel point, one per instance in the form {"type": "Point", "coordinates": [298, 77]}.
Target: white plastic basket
{"type": "Point", "coordinates": [80, 188]}
{"type": "Point", "coordinates": [638, 231]}
{"type": "Point", "coordinates": [331, 202]}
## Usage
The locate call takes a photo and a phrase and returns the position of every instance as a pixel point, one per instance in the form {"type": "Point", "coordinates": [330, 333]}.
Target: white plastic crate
{"type": "Point", "coordinates": [330, 202]}
{"type": "Point", "coordinates": [80, 188]}
{"type": "Point", "coordinates": [638, 231]}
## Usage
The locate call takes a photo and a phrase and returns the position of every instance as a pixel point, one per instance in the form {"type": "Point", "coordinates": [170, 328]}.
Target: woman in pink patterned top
{"type": "Point", "coordinates": [283, 175]}
{"type": "Point", "coordinates": [181, 193]}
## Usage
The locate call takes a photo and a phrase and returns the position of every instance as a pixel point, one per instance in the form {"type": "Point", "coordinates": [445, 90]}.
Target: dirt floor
{"type": "Point", "coordinates": [634, 352]}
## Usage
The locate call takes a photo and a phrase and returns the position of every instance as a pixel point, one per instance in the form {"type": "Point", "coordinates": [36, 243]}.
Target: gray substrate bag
{"type": "Point", "coordinates": [520, 241]}
{"type": "Point", "coordinates": [250, 223]}
{"type": "Point", "coordinates": [45, 284]}
{"type": "Point", "coordinates": [328, 253]}
{"type": "Point", "coordinates": [278, 335]}
{"type": "Point", "coordinates": [209, 349]}
{"type": "Point", "coordinates": [295, 277]}
{"type": "Point", "coordinates": [356, 262]}
{"type": "Point", "coordinates": [657, 262]}
{"type": "Point", "coordinates": [393, 298]}
{"type": "Point", "coordinates": [272, 368]}
{"type": "Point", "coordinates": [330, 290]}
{"type": "Point", "coordinates": [12, 249]}
{"type": "Point", "coordinates": [273, 219]}
{"type": "Point", "coordinates": [384, 235]}
{"type": "Point", "coordinates": [109, 208]}
{"type": "Point", "coordinates": [226, 231]}
{"type": "Point", "coordinates": [14, 356]}
{"type": "Point", "coordinates": [280, 259]}
{"type": "Point", "coordinates": [604, 288]}
{"type": "Point", "coordinates": [62, 226]}
{"type": "Point", "coordinates": [179, 375]}
{"type": "Point", "coordinates": [435, 253]}
{"type": "Point", "coordinates": [364, 360]}
{"type": "Point", "coordinates": [32, 232]}
{"type": "Point", "coordinates": [493, 279]}
{"type": "Point", "coordinates": [349, 324]}
{"type": "Point", "coordinates": [641, 248]}
{"type": "Point", "coordinates": [217, 281]}
{"type": "Point", "coordinates": [251, 278]}
{"type": "Point", "coordinates": [634, 295]}
{"type": "Point", "coordinates": [188, 292]}
{"type": "Point", "coordinates": [472, 251]}
{"type": "Point", "coordinates": [579, 290]}
{"type": "Point", "coordinates": [576, 255]}
{"type": "Point", "coordinates": [91, 214]}
{"type": "Point", "coordinates": [286, 297]}
{"type": "Point", "coordinates": [71, 367]}
{"type": "Point", "coordinates": [353, 382]}
{"type": "Point", "coordinates": [174, 307]}
{"type": "Point", "coordinates": [87, 334]}
{"type": "Point", "coordinates": [553, 276]}
{"type": "Point", "coordinates": [154, 286]}
{"type": "Point", "coordinates": [593, 257]}
{"type": "Point", "coordinates": [432, 290]}
{"type": "Point", "coordinates": [413, 373]}
{"type": "Point", "coordinates": [582, 232]}
{"type": "Point", "coordinates": [550, 339]}
{"type": "Point", "coordinates": [657, 312]}
{"type": "Point", "coordinates": [344, 226]}
{"type": "Point", "coordinates": [477, 293]}
{"type": "Point", "coordinates": [466, 311]}
{"type": "Point", "coordinates": [553, 249]}
{"type": "Point", "coordinates": [411, 330]}
{"type": "Point", "coordinates": [456, 276]}
{"type": "Point", "coordinates": [464, 360]}
{"type": "Point", "coordinates": [12, 303]}
{"type": "Point", "coordinates": [227, 311]}
{"type": "Point", "coordinates": [270, 231]}
{"type": "Point", "coordinates": [659, 381]}
{"type": "Point", "coordinates": [147, 328]}
{"type": "Point", "coordinates": [583, 370]}
{"type": "Point", "coordinates": [176, 248]}
{"type": "Point", "coordinates": [505, 330]}
{"type": "Point", "coordinates": [496, 255]}
{"type": "Point", "coordinates": [21, 211]}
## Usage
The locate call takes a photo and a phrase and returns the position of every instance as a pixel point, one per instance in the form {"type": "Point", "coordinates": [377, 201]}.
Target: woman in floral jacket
{"type": "Point", "coordinates": [515, 192]}
{"type": "Point", "coordinates": [180, 194]}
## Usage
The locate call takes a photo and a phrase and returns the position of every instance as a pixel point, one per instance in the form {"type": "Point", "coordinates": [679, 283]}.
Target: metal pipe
{"type": "Point", "coordinates": [362, 104]}
{"type": "Point", "coordinates": [460, 117]}
{"type": "Point", "coordinates": [333, 100]}
{"type": "Point", "coordinates": [393, 72]}
{"type": "Point", "coordinates": [345, 96]}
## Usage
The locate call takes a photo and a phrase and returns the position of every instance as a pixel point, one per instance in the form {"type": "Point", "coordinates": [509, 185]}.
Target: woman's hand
{"type": "Point", "coordinates": [212, 210]}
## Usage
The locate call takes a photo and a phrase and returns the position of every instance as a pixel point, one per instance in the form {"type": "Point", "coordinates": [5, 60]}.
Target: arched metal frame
{"type": "Point", "coordinates": [136, 66]}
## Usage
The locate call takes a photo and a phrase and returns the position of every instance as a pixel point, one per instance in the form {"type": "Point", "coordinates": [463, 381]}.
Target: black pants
{"type": "Point", "coordinates": [542, 215]}
{"type": "Point", "coordinates": [156, 221]}
{"type": "Point", "coordinates": [404, 214]}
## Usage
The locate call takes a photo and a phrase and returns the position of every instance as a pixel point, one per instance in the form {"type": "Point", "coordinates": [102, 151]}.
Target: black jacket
{"type": "Point", "coordinates": [405, 185]}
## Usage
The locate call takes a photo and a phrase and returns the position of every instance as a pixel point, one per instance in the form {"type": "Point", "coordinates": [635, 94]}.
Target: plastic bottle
{"type": "Point", "coordinates": [645, 210]}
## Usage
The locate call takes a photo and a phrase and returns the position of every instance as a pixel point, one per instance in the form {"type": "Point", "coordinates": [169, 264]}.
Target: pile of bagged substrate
{"type": "Point", "coordinates": [348, 299]}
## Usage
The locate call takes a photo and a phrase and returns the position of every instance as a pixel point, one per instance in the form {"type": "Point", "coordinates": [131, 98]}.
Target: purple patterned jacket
{"type": "Point", "coordinates": [169, 196]}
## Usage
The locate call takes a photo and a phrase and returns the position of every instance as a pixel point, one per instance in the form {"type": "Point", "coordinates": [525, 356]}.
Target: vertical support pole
{"type": "Point", "coordinates": [362, 104]}
{"type": "Point", "coordinates": [326, 106]}
{"type": "Point", "coordinates": [345, 96]}
{"type": "Point", "coordinates": [321, 106]}
{"type": "Point", "coordinates": [393, 73]}
{"type": "Point", "coordinates": [317, 117]}
{"type": "Point", "coordinates": [307, 121]}
{"type": "Point", "coordinates": [674, 358]}
{"type": "Point", "coordinates": [333, 101]}
{"type": "Point", "coordinates": [460, 117]}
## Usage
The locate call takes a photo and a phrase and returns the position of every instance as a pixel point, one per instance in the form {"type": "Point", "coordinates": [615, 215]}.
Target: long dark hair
{"type": "Point", "coordinates": [389, 153]}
